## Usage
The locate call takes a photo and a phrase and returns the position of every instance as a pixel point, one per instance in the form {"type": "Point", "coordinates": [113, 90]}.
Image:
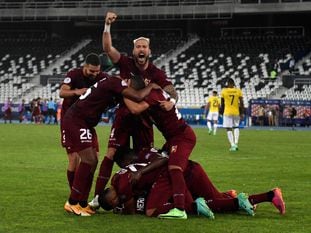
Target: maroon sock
{"type": "Point", "coordinates": [258, 198]}
{"type": "Point", "coordinates": [85, 195]}
{"type": "Point", "coordinates": [189, 203]}
{"type": "Point", "coordinates": [70, 178]}
{"type": "Point", "coordinates": [103, 175]}
{"type": "Point", "coordinates": [223, 204]}
{"type": "Point", "coordinates": [80, 183]}
{"type": "Point", "coordinates": [178, 188]}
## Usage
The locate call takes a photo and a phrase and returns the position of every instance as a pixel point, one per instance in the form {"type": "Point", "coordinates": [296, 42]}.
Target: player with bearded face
{"type": "Point", "coordinates": [138, 65]}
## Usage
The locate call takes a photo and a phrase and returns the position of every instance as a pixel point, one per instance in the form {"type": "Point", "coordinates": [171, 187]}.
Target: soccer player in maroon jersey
{"type": "Point", "coordinates": [78, 128]}
{"type": "Point", "coordinates": [197, 182]}
{"type": "Point", "coordinates": [76, 83]}
{"type": "Point", "coordinates": [180, 141]}
{"type": "Point", "coordinates": [125, 125]}
{"type": "Point", "coordinates": [138, 66]}
{"type": "Point", "coordinates": [127, 194]}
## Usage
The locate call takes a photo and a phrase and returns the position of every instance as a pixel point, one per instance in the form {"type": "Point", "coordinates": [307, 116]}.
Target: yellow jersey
{"type": "Point", "coordinates": [231, 98]}
{"type": "Point", "coordinates": [214, 103]}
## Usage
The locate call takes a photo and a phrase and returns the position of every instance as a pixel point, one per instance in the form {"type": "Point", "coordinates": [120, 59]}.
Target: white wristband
{"type": "Point", "coordinates": [107, 28]}
{"type": "Point", "coordinates": [173, 100]}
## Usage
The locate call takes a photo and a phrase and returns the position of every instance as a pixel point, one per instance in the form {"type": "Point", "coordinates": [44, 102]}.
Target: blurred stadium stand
{"type": "Point", "coordinates": [198, 43]}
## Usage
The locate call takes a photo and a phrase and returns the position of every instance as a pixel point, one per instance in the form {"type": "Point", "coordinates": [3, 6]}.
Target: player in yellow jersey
{"type": "Point", "coordinates": [212, 106]}
{"type": "Point", "coordinates": [232, 107]}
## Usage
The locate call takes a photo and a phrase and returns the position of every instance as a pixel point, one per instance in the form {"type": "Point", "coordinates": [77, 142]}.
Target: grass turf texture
{"type": "Point", "coordinates": [33, 185]}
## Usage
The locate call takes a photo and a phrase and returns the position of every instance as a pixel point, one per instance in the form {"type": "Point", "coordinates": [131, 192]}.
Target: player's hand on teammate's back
{"type": "Point", "coordinates": [134, 177]}
{"type": "Point", "coordinates": [166, 105]}
{"type": "Point", "coordinates": [110, 17]}
{"type": "Point", "coordinates": [80, 91]}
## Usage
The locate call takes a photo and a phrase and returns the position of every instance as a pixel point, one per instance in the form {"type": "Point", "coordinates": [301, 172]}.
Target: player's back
{"type": "Point", "coordinates": [98, 99]}
{"type": "Point", "coordinates": [170, 122]}
{"type": "Point", "coordinates": [121, 179]}
{"type": "Point", "coordinates": [231, 98]}
{"type": "Point", "coordinates": [214, 103]}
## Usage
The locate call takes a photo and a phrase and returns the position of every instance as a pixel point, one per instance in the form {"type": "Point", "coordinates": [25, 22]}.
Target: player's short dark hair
{"type": "Point", "coordinates": [215, 92]}
{"type": "Point", "coordinates": [230, 81]}
{"type": "Point", "coordinates": [137, 82]}
{"type": "Point", "coordinates": [103, 201]}
{"type": "Point", "coordinates": [92, 59]}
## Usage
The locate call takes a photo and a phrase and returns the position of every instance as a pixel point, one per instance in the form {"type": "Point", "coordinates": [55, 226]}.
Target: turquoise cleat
{"type": "Point", "coordinates": [244, 204]}
{"type": "Point", "coordinates": [203, 209]}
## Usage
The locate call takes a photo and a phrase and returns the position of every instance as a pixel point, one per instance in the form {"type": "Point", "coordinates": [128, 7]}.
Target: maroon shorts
{"type": "Point", "coordinates": [180, 147]}
{"type": "Point", "coordinates": [77, 136]}
{"type": "Point", "coordinates": [119, 137]}
{"type": "Point", "coordinates": [126, 126]}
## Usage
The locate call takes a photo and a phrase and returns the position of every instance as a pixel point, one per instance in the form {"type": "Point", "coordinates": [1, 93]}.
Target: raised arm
{"type": "Point", "coordinates": [112, 52]}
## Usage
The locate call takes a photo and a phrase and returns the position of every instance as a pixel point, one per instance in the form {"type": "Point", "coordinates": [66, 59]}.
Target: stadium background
{"type": "Point", "coordinates": [33, 185]}
{"type": "Point", "coordinates": [198, 43]}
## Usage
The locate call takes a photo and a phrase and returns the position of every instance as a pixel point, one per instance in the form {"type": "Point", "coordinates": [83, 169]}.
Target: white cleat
{"type": "Point", "coordinates": [94, 204]}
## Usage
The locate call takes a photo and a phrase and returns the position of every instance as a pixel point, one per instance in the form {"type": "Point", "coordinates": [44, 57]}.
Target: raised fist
{"type": "Point", "coordinates": [110, 17]}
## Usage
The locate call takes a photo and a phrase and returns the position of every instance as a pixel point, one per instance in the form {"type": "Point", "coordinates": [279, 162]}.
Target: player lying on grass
{"type": "Point", "coordinates": [128, 191]}
{"type": "Point", "coordinates": [197, 181]}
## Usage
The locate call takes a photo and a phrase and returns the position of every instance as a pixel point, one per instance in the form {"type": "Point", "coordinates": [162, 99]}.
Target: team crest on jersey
{"type": "Point", "coordinates": [67, 80]}
{"type": "Point", "coordinates": [174, 149]}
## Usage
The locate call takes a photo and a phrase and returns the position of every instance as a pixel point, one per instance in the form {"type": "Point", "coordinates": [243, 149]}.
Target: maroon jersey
{"type": "Point", "coordinates": [170, 123]}
{"type": "Point", "coordinates": [76, 80]}
{"type": "Point", "coordinates": [152, 73]}
{"type": "Point", "coordinates": [121, 182]}
{"type": "Point", "coordinates": [97, 99]}
{"type": "Point", "coordinates": [126, 125]}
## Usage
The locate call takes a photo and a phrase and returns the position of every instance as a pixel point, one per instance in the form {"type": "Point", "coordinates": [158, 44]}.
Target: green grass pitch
{"type": "Point", "coordinates": [33, 185]}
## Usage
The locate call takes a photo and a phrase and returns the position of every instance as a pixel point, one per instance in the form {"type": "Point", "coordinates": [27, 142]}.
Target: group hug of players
{"type": "Point", "coordinates": [163, 184]}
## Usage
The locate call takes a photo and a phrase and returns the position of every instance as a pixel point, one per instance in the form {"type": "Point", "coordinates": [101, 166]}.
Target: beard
{"type": "Point", "coordinates": [141, 59]}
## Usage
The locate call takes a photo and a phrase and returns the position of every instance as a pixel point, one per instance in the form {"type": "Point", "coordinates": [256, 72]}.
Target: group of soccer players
{"type": "Point", "coordinates": [145, 97]}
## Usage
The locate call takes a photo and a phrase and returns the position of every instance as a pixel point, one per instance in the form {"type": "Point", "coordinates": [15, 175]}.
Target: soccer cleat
{"type": "Point", "coordinates": [231, 193]}
{"type": "Point", "coordinates": [214, 133]}
{"type": "Point", "coordinates": [278, 201]}
{"type": "Point", "coordinates": [76, 209]}
{"type": "Point", "coordinates": [94, 204]}
{"type": "Point", "coordinates": [89, 209]}
{"type": "Point", "coordinates": [174, 214]}
{"type": "Point", "coordinates": [209, 131]}
{"type": "Point", "coordinates": [245, 204]}
{"type": "Point", "coordinates": [203, 209]}
{"type": "Point", "coordinates": [232, 148]}
{"type": "Point", "coordinates": [236, 146]}
{"type": "Point", "coordinates": [67, 207]}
